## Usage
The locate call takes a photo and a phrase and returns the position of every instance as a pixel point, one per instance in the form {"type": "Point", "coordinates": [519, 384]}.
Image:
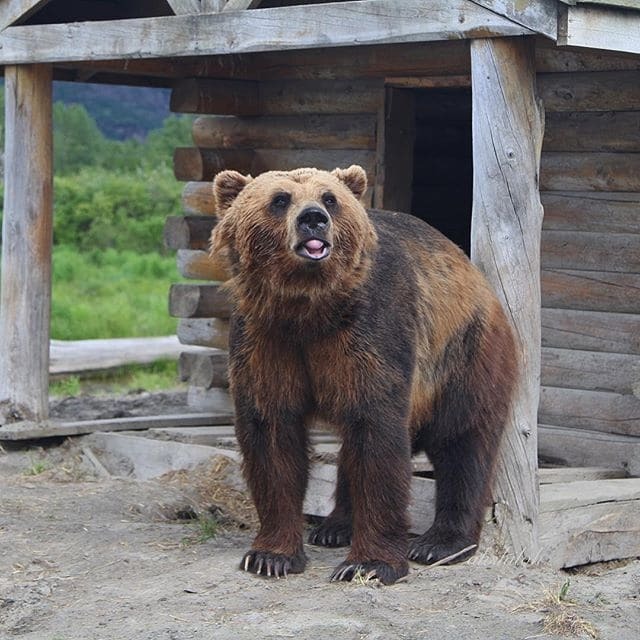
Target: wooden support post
{"type": "Point", "coordinates": [25, 299]}
{"type": "Point", "coordinates": [508, 124]}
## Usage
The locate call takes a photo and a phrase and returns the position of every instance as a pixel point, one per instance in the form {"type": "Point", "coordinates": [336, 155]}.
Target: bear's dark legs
{"type": "Point", "coordinates": [377, 463]}
{"type": "Point", "coordinates": [464, 469]}
{"type": "Point", "coordinates": [276, 465]}
{"type": "Point", "coordinates": [335, 530]}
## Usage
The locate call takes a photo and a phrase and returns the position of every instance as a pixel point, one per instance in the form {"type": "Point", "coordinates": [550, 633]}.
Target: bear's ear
{"type": "Point", "coordinates": [226, 187]}
{"type": "Point", "coordinates": [355, 178]}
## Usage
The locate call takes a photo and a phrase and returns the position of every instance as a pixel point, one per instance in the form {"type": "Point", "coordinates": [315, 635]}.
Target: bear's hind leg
{"type": "Point", "coordinates": [335, 530]}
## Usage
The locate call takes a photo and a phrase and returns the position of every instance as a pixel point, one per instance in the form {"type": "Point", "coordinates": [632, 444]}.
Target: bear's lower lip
{"type": "Point", "coordinates": [314, 249]}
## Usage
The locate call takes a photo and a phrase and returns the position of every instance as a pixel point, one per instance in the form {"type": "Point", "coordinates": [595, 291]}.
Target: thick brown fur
{"type": "Point", "coordinates": [377, 324]}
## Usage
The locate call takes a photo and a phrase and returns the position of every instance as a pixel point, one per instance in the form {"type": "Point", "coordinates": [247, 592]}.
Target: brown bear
{"type": "Point", "coordinates": [377, 324]}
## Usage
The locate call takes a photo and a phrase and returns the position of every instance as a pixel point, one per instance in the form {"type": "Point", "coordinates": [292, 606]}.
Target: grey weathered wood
{"type": "Point", "coordinates": [593, 131]}
{"type": "Point", "coordinates": [193, 435]}
{"type": "Point", "coordinates": [197, 198]}
{"type": "Point", "coordinates": [182, 7]}
{"type": "Point", "coordinates": [193, 164]}
{"type": "Point", "coordinates": [47, 429]}
{"type": "Point", "coordinates": [240, 5]}
{"type": "Point", "coordinates": [567, 171]}
{"type": "Point", "coordinates": [590, 370]}
{"type": "Point", "coordinates": [204, 332]}
{"type": "Point", "coordinates": [199, 265]}
{"type": "Point", "coordinates": [206, 370]}
{"type": "Point", "coordinates": [281, 28]}
{"type": "Point", "coordinates": [591, 290]}
{"type": "Point", "coordinates": [591, 211]}
{"type": "Point", "coordinates": [508, 125]}
{"type": "Point", "coordinates": [562, 496]}
{"type": "Point", "coordinates": [199, 301]}
{"type": "Point", "coordinates": [580, 447]}
{"type": "Point", "coordinates": [188, 232]}
{"type": "Point", "coordinates": [12, 11]}
{"type": "Point", "coordinates": [553, 59]}
{"type": "Point", "coordinates": [540, 16]}
{"type": "Point", "coordinates": [591, 251]}
{"type": "Point", "coordinates": [591, 330]}
{"type": "Point", "coordinates": [209, 400]}
{"type": "Point", "coordinates": [568, 474]}
{"type": "Point", "coordinates": [286, 132]}
{"type": "Point", "coordinates": [590, 91]}
{"type": "Point", "coordinates": [592, 410]}
{"type": "Point", "coordinates": [25, 296]}
{"type": "Point", "coordinates": [224, 97]}
{"type": "Point", "coordinates": [599, 28]}
{"type": "Point", "coordinates": [82, 356]}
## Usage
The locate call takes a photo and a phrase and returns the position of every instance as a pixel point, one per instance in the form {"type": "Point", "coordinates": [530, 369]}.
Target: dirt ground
{"type": "Point", "coordinates": [88, 557]}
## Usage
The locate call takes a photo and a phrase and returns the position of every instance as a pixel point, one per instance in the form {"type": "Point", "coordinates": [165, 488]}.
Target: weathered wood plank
{"type": "Point", "coordinates": [565, 474]}
{"type": "Point", "coordinates": [580, 447]}
{"type": "Point", "coordinates": [591, 211]}
{"type": "Point", "coordinates": [591, 330]}
{"type": "Point", "coordinates": [240, 5]}
{"type": "Point", "coordinates": [224, 97]}
{"type": "Point", "coordinates": [286, 132]}
{"type": "Point", "coordinates": [541, 17]}
{"type": "Point", "coordinates": [205, 370]}
{"type": "Point", "coordinates": [591, 410]}
{"type": "Point", "coordinates": [563, 496]}
{"type": "Point", "coordinates": [508, 125]}
{"type": "Point", "coordinates": [591, 290]}
{"type": "Point", "coordinates": [599, 28]}
{"type": "Point", "coordinates": [25, 296]}
{"type": "Point", "coordinates": [565, 171]}
{"type": "Point", "coordinates": [591, 251]}
{"type": "Point", "coordinates": [281, 28]}
{"type": "Point", "coordinates": [199, 301]}
{"type": "Point", "coordinates": [204, 332]}
{"type": "Point", "coordinates": [593, 131]}
{"type": "Point", "coordinates": [188, 232]}
{"type": "Point", "coordinates": [185, 7]}
{"type": "Point", "coordinates": [198, 265]}
{"type": "Point", "coordinates": [197, 198]}
{"type": "Point", "coordinates": [590, 91]}
{"type": "Point", "coordinates": [48, 429]}
{"type": "Point", "coordinates": [12, 11]}
{"type": "Point", "coordinates": [552, 59]}
{"type": "Point", "coordinates": [590, 370]}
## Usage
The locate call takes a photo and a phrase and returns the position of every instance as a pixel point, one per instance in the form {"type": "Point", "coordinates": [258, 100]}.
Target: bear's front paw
{"type": "Point", "coordinates": [386, 573]}
{"type": "Point", "coordinates": [273, 565]}
{"type": "Point", "coordinates": [331, 533]}
{"type": "Point", "coordinates": [430, 548]}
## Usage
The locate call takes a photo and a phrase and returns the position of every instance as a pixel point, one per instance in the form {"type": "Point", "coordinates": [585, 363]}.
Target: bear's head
{"type": "Point", "coordinates": [294, 232]}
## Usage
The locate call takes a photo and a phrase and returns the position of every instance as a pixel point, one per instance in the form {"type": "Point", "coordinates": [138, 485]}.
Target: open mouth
{"type": "Point", "coordinates": [314, 249]}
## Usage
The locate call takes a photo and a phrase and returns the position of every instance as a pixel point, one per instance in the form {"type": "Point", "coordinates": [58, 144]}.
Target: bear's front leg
{"type": "Point", "coordinates": [275, 464]}
{"type": "Point", "coordinates": [377, 462]}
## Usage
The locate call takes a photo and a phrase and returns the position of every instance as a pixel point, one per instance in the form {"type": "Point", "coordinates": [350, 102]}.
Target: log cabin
{"type": "Point", "coordinates": [513, 127]}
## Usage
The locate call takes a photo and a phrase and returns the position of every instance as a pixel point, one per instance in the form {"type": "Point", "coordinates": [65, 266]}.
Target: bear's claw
{"type": "Point", "coordinates": [331, 534]}
{"type": "Point", "coordinates": [272, 565]}
{"type": "Point", "coordinates": [427, 549]}
{"type": "Point", "coordinates": [387, 574]}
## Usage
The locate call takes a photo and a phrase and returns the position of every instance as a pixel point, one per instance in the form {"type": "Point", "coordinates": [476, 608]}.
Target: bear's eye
{"type": "Point", "coordinates": [329, 200]}
{"type": "Point", "coordinates": [280, 202]}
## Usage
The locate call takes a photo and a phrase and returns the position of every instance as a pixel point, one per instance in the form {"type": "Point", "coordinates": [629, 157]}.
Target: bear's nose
{"type": "Point", "coordinates": [312, 220]}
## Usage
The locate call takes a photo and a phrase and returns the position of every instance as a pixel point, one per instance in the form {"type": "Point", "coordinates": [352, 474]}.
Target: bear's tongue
{"type": "Point", "coordinates": [314, 247]}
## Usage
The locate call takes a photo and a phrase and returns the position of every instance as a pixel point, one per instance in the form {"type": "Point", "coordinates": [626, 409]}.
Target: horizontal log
{"type": "Point", "coordinates": [230, 97]}
{"type": "Point", "coordinates": [188, 232]}
{"type": "Point", "coordinates": [591, 251]}
{"type": "Point", "coordinates": [206, 370]}
{"type": "Point", "coordinates": [591, 211]}
{"type": "Point", "coordinates": [590, 370]}
{"type": "Point", "coordinates": [562, 474]}
{"type": "Point", "coordinates": [565, 171]}
{"type": "Point", "coordinates": [278, 98]}
{"type": "Point", "coordinates": [194, 164]}
{"type": "Point", "coordinates": [593, 131]}
{"type": "Point", "coordinates": [590, 91]}
{"type": "Point", "coordinates": [204, 332]}
{"type": "Point", "coordinates": [197, 198]}
{"type": "Point", "coordinates": [553, 59]}
{"type": "Point", "coordinates": [199, 301]}
{"type": "Point", "coordinates": [286, 132]}
{"type": "Point", "coordinates": [198, 265]}
{"type": "Point", "coordinates": [591, 290]}
{"type": "Point", "coordinates": [580, 447]}
{"type": "Point", "coordinates": [210, 400]}
{"type": "Point", "coordinates": [592, 410]}
{"type": "Point", "coordinates": [236, 32]}
{"type": "Point", "coordinates": [591, 330]}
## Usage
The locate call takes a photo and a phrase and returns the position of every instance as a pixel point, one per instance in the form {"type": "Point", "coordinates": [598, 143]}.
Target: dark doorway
{"type": "Point", "coordinates": [442, 189]}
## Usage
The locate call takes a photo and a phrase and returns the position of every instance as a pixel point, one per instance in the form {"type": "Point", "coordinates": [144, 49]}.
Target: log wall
{"type": "Point", "coordinates": [590, 188]}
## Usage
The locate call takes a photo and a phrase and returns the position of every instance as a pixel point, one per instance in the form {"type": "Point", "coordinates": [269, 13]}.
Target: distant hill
{"type": "Point", "coordinates": [120, 112]}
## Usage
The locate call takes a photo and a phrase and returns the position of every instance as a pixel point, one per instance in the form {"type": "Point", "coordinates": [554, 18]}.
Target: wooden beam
{"type": "Point", "coordinates": [185, 7]}
{"type": "Point", "coordinates": [188, 232]}
{"type": "Point", "coordinates": [599, 28]}
{"type": "Point", "coordinates": [197, 199]}
{"type": "Point", "coordinates": [199, 301]}
{"type": "Point", "coordinates": [198, 265]}
{"type": "Point", "coordinates": [234, 32]}
{"type": "Point", "coordinates": [508, 124]}
{"type": "Point", "coordinates": [12, 11]}
{"type": "Point", "coordinates": [207, 370]}
{"type": "Point", "coordinates": [540, 16]}
{"type": "Point", "coordinates": [240, 5]}
{"type": "Point", "coordinates": [204, 332]}
{"type": "Point", "coordinates": [25, 298]}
